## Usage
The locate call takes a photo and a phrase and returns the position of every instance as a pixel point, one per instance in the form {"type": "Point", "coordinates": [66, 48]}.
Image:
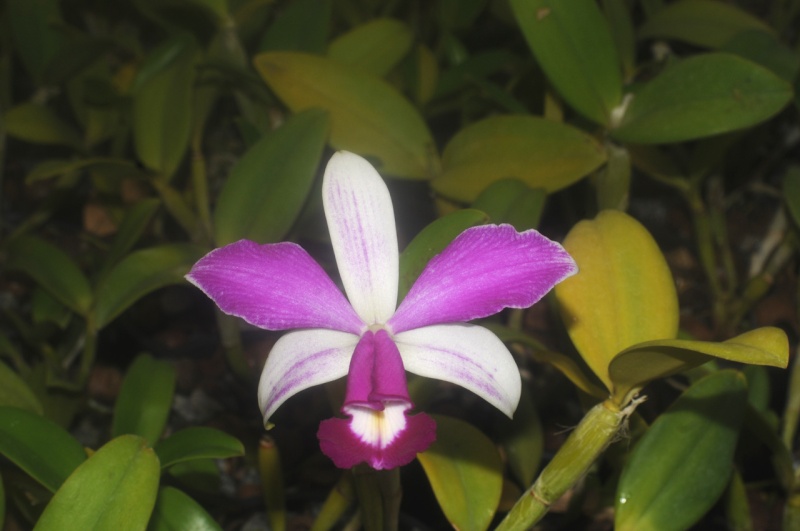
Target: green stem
{"type": "Point", "coordinates": [200, 187]}
{"type": "Point", "coordinates": [719, 229]}
{"type": "Point", "coordinates": [599, 428]}
{"type": "Point", "coordinates": [379, 494]}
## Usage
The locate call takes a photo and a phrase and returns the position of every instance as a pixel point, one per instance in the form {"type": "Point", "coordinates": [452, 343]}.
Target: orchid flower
{"type": "Point", "coordinates": [370, 339]}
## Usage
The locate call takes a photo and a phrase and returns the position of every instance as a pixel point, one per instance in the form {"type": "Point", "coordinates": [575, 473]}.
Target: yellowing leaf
{"type": "Point", "coordinates": [374, 47]}
{"type": "Point", "coordinates": [623, 293]}
{"type": "Point", "coordinates": [632, 368]}
{"type": "Point", "coordinates": [541, 153]}
{"type": "Point", "coordinates": [367, 115]}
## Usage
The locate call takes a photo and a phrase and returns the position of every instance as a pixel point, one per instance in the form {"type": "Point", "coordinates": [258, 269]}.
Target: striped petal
{"type": "Point", "coordinates": [274, 286]}
{"type": "Point", "coordinates": [484, 270]}
{"type": "Point", "coordinates": [361, 224]}
{"type": "Point", "coordinates": [303, 359]}
{"type": "Point", "coordinates": [466, 355]}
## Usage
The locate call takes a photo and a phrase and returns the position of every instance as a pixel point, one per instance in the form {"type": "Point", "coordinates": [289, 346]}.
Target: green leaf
{"type": "Point", "coordinates": [145, 399]}
{"type": "Point", "coordinates": [52, 269]}
{"type": "Point", "coordinates": [14, 391]}
{"type": "Point", "coordinates": [176, 511]}
{"type": "Point", "coordinates": [130, 230]}
{"type": "Point", "coordinates": [465, 473]}
{"type": "Point", "coordinates": [619, 20]}
{"type": "Point", "coordinates": [374, 47]}
{"type": "Point", "coordinates": [138, 274]}
{"type": "Point", "coordinates": [523, 440]}
{"type": "Point", "coordinates": [475, 67]}
{"type": "Point", "coordinates": [162, 112]}
{"type": "Point", "coordinates": [197, 442]}
{"type": "Point", "coordinates": [34, 33]}
{"type": "Point", "coordinates": [368, 116]}
{"type": "Point", "coordinates": [38, 124]}
{"type": "Point", "coordinates": [683, 462]}
{"type": "Point", "coordinates": [501, 147]}
{"type": "Point", "coordinates": [40, 447]}
{"type": "Point", "coordinates": [623, 293]}
{"type": "Point", "coordinates": [56, 167]}
{"type": "Point", "coordinates": [431, 241]}
{"type": "Point", "coordinates": [635, 366]}
{"type": "Point", "coordinates": [512, 201]}
{"type": "Point", "coordinates": [573, 45]}
{"type": "Point", "coordinates": [114, 489]}
{"type": "Point", "coordinates": [701, 96]}
{"type": "Point", "coordinates": [708, 23]}
{"type": "Point", "coordinates": [791, 192]}
{"type": "Point", "coordinates": [765, 49]}
{"type": "Point", "coordinates": [2, 502]}
{"type": "Point", "coordinates": [302, 26]}
{"type": "Point", "coordinates": [46, 309]}
{"type": "Point", "coordinates": [268, 186]}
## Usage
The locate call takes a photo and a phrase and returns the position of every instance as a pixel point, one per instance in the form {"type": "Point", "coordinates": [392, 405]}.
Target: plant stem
{"type": "Point", "coordinates": [599, 428]}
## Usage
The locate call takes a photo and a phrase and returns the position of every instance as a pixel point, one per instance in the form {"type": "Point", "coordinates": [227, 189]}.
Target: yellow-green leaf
{"type": "Point", "coordinates": [375, 47]}
{"type": "Point", "coordinates": [632, 368]}
{"type": "Point", "coordinates": [38, 124]}
{"type": "Point", "coordinates": [623, 293]}
{"type": "Point", "coordinates": [708, 23]}
{"type": "Point", "coordinates": [14, 391]}
{"type": "Point", "coordinates": [465, 472]}
{"type": "Point", "coordinates": [367, 115]}
{"type": "Point", "coordinates": [114, 489]}
{"type": "Point", "coordinates": [541, 153]}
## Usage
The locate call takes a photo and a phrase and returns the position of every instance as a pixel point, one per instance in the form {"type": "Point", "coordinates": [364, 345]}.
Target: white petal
{"type": "Point", "coordinates": [467, 355]}
{"type": "Point", "coordinates": [361, 223]}
{"type": "Point", "coordinates": [303, 359]}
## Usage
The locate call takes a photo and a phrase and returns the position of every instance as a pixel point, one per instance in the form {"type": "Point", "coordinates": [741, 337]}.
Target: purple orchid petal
{"type": "Point", "coordinates": [484, 270]}
{"type": "Point", "coordinates": [383, 439]}
{"type": "Point", "coordinates": [361, 224]}
{"type": "Point", "coordinates": [300, 360]}
{"type": "Point", "coordinates": [467, 355]}
{"type": "Point", "coordinates": [376, 373]}
{"type": "Point", "coordinates": [274, 286]}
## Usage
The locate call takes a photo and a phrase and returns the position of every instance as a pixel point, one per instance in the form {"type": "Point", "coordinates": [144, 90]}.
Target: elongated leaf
{"type": "Point", "coordinates": [708, 23]}
{"type": "Point", "coordinates": [114, 489]}
{"type": "Point", "coordinates": [523, 440]}
{"type": "Point", "coordinates": [197, 442]}
{"type": "Point", "coordinates": [431, 241]}
{"type": "Point", "coordinates": [765, 49]}
{"type": "Point", "coordinates": [465, 473]}
{"type": "Point", "coordinates": [138, 274]}
{"type": "Point", "coordinates": [176, 511]}
{"type": "Point", "coordinates": [541, 153]}
{"type": "Point", "coordinates": [633, 367]}
{"type": "Point", "coordinates": [52, 269]}
{"type": "Point", "coordinates": [374, 47]}
{"type": "Point", "coordinates": [47, 309]}
{"type": "Point", "coordinates": [367, 115]}
{"type": "Point", "coordinates": [268, 186]}
{"type": "Point", "coordinates": [702, 96]}
{"type": "Point", "coordinates": [573, 45]}
{"type": "Point", "coordinates": [683, 462]}
{"type": "Point", "coordinates": [623, 293]}
{"type": "Point", "coordinates": [145, 399]}
{"type": "Point", "coordinates": [15, 392]}
{"type": "Point", "coordinates": [791, 192]}
{"type": "Point", "coordinates": [302, 26]}
{"type": "Point", "coordinates": [621, 25]}
{"type": "Point", "coordinates": [162, 113]}
{"type": "Point", "coordinates": [37, 445]}
{"type": "Point", "coordinates": [36, 123]}
{"type": "Point", "coordinates": [36, 39]}
{"type": "Point", "coordinates": [131, 228]}
{"type": "Point", "coordinates": [56, 167]}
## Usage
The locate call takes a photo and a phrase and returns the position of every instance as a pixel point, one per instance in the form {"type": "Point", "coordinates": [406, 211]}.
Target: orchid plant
{"type": "Point", "coordinates": [370, 339]}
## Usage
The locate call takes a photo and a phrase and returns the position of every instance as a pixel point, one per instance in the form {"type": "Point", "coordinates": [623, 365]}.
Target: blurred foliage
{"type": "Point", "coordinates": [138, 135]}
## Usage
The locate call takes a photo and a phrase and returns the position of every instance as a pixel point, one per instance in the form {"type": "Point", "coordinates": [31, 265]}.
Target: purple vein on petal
{"type": "Point", "coordinates": [303, 359]}
{"type": "Point", "coordinates": [466, 355]}
{"type": "Point", "coordinates": [274, 286]}
{"type": "Point", "coordinates": [484, 270]}
{"type": "Point", "coordinates": [360, 218]}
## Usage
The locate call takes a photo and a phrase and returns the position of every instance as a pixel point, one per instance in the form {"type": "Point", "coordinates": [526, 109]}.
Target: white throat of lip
{"type": "Point", "coordinates": [378, 427]}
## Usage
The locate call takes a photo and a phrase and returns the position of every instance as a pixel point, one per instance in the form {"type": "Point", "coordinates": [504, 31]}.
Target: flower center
{"type": "Point", "coordinates": [378, 427]}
